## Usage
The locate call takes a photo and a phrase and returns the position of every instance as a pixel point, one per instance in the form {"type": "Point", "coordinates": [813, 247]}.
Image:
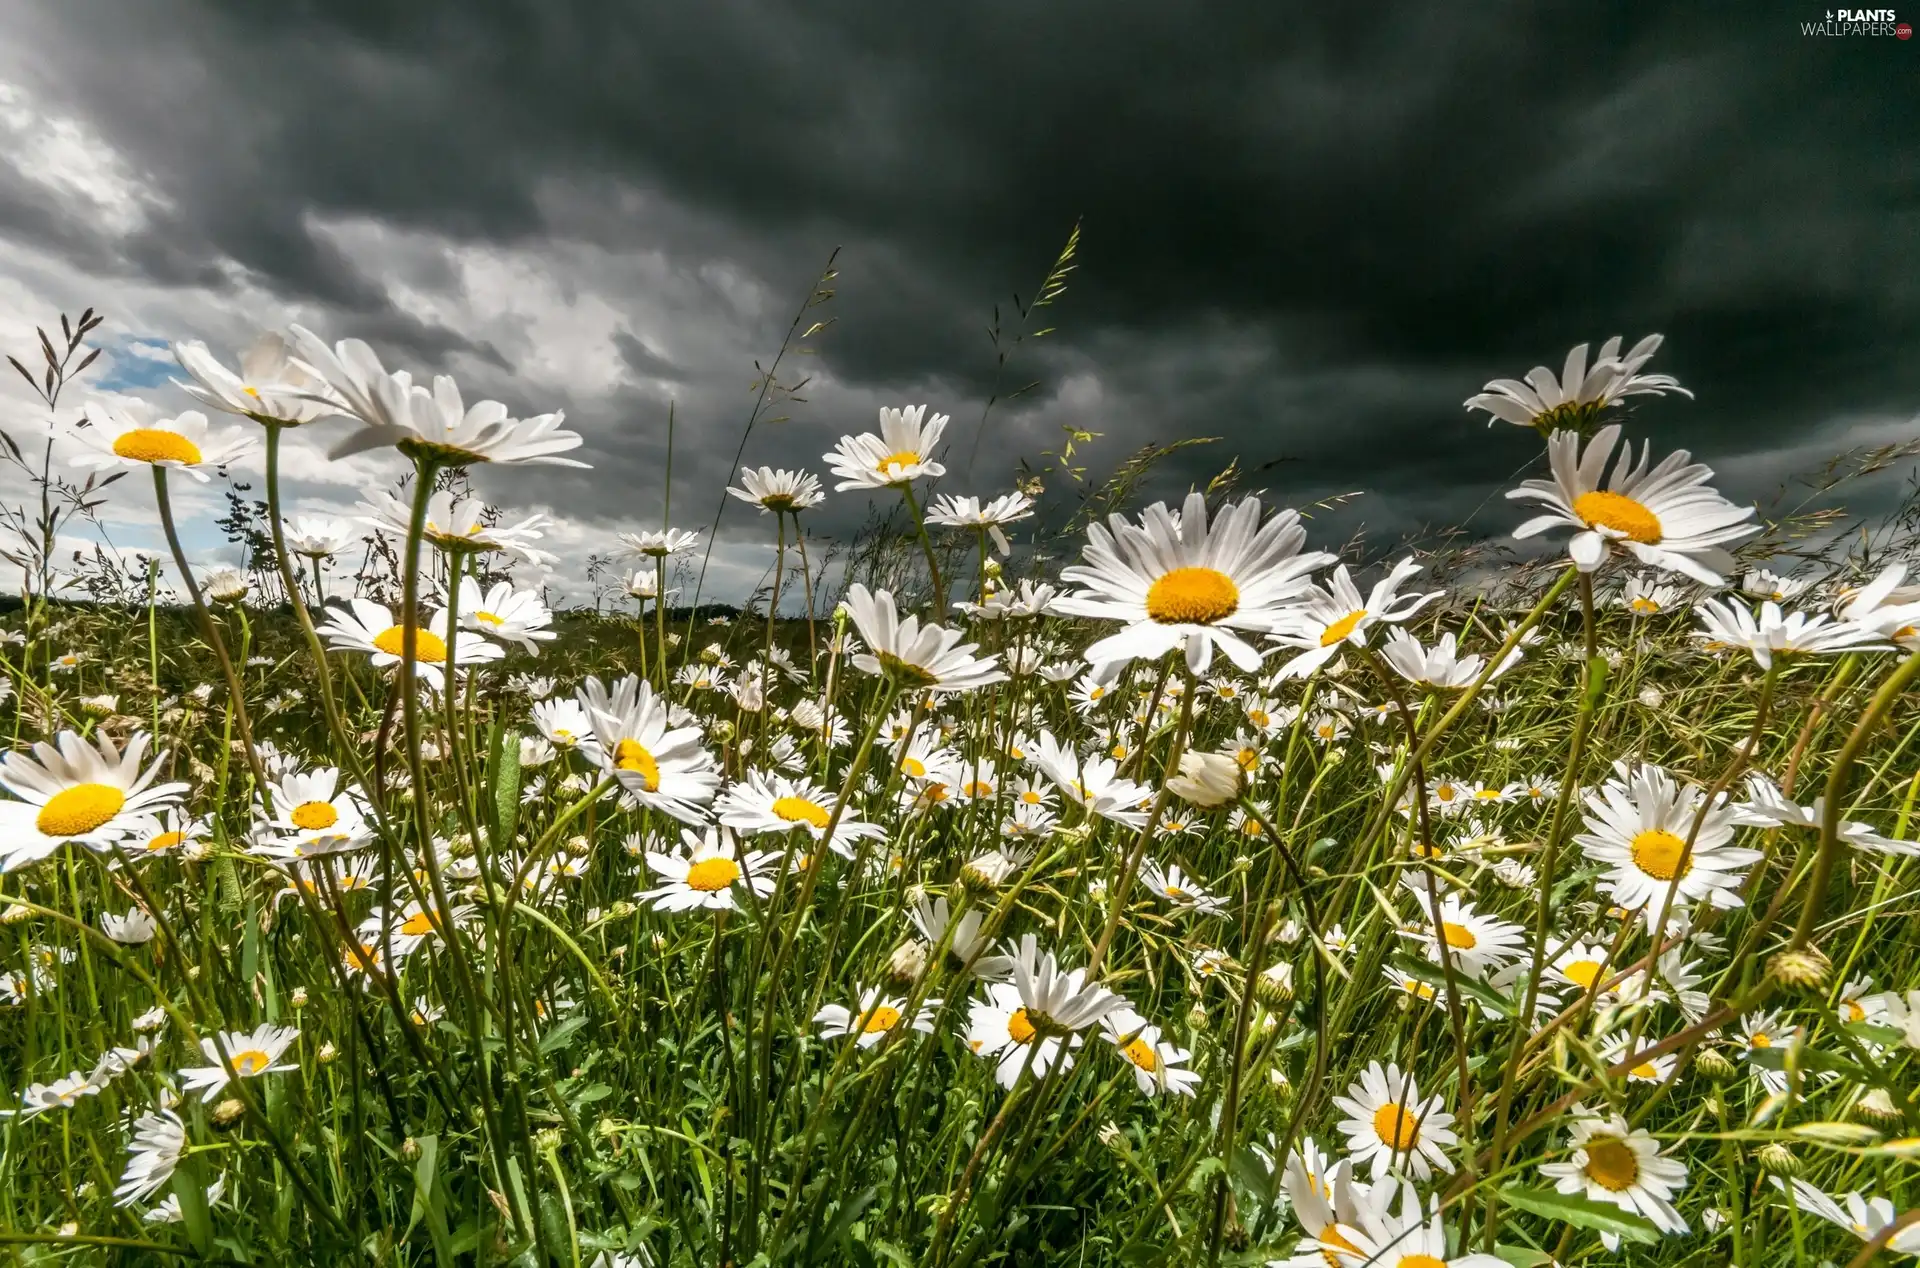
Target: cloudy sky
{"type": "Point", "coordinates": [1310, 233]}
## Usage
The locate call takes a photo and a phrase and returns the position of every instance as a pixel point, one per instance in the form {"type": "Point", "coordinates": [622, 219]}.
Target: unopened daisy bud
{"type": "Point", "coordinates": [14, 914]}
{"type": "Point", "coordinates": [1776, 1159]}
{"type": "Point", "coordinates": [659, 942]}
{"type": "Point", "coordinates": [227, 1113]}
{"type": "Point", "coordinates": [1805, 969]}
{"type": "Point", "coordinates": [299, 997]}
{"type": "Point", "coordinates": [721, 730]}
{"type": "Point", "coordinates": [224, 585]}
{"type": "Point", "coordinates": [1652, 697]}
{"type": "Point", "coordinates": [908, 961]}
{"type": "Point", "coordinates": [1712, 1064]}
{"type": "Point", "coordinates": [1236, 1236]}
{"type": "Point", "coordinates": [99, 706]}
{"type": "Point", "coordinates": [409, 1150]}
{"type": "Point", "coordinates": [985, 873]}
{"type": "Point", "coordinates": [1207, 779]}
{"type": "Point", "coordinates": [1876, 1107]}
{"type": "Point", "coordinates": [1241, 863]}
{"type": "Point", "coordinates": [620, 910]}
{"type": "Point", "coordinates": [547, 1140]}
{"type": "Point", "coordinates": [327, 1054]}
{"type": "Point", "coordinates": [1197, 1016]}
{"type": "Point", "coordinates": [1274, 986]}
{"type": "Point", "coordinates": [1112, 1137]}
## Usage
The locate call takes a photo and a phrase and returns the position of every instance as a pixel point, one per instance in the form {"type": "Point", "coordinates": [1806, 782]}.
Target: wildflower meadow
{"type": "Point", "coordinates": [1054, 876]}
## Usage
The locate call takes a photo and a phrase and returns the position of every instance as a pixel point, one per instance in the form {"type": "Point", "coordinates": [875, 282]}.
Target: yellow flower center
{"type": "Point", "coordinates": [490, 618]}
{"type": "Point", "coordinates": [1096, 692]}
{"type": "Point", "coordinates": [154, 444]}
{"type": "Point", "coordinates": [166, 841]}
{"type": "Point", "coordinates": [314, 815]}
{"type": "Point", "coordinates": [428, 647]}
{"type": "Point", "coordinates": [976, 788]}
{"type": "Point", "coordinates": [1487, 794]}
{"type": "Point", "coordinates": [1445, 792]}
{"type": "Point", "coordinates": [1646, 1071]}
{"type": "Point", "coordinates": [899, 458]}
{"type": "Point", "coordinates": [1019, 1029]}
{"type": "Point", "coordinates": [1192, 596]}
{"type": "Point", "coordinates": [252, 1061]}
{"type": "Point", "coordinates": [1247, 758]}
{"type": "Point", "coordinates": [914, 767]}
{"type": "Point", "coordinates": [1611, 1164]}
{"type": "Point", "coordinates": [712, 875]}
{"type": "Point", "coordinates": [1031, 796]}
{"type": "Point", "coordinates": [1762, 1040]}
{"type": "Point", "coordinates": [905, 670]}
{"type": "Point", "coordinates": [1332, 1236]}
{"type": "Point", "coordinates": [1583, 973]}
{"type": "Point", "coordinates": [1419, 1261]}
{"type": "Point", "coordinates": [1259, 717]}
{"type": "Point", "coordinates": [1458, 936]}
{"type": "Point", "coordinates": [1342, 627]}
{"type": "Point", "coordinates": [418, 925]}
{"type": "Point", "coordinates": [1643, 605]}
{"type": "Point", "coordinates": [1657, 853]}
{"type": "Point", "coordinates": [1119, 752]}
{"type": "Point", "coordinates": [1617, 511]}
{"type": "Point", "coordinates": [800, 810]}
{"type": "Point", "coordinates": [1855, 1012]}
{"type": "Point", "coordinates": [78, 810]}
{"type": "Point", "coordinates": [881, 1019]}
{"type": "Point", "coordinates": [1396, 1127]}
{"type": "Point", "coordinates": [632, 756]}
{"type": "Point", "coordinates": [1141, 1053]}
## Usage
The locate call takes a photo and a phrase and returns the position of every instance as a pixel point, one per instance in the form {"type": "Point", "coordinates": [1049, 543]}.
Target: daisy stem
{"type": "Point", "coordinates": [1828, 850]}
{"type": "Point", "coordinates": [291, 581]}
{"type": "Point", "coordinates": [926, 548]}
{"type": "Point", "coordinates": [238, 703]}
{"type": "Point", "coordinates": [806, 580]}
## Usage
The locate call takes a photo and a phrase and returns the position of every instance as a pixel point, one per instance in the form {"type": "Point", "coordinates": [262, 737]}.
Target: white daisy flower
{"type": "Point", "coordinates": [778, 491]}
{"type": "Point", "coordinates": [999, 1027]}
{"type": "Point", "coordinates": [707, 871]}
{"type": "Point", "coordinates": [899, 455]}
{"type": "Point", "coordinates": [1763, 583]}
{"type": "Point", "coordinates": [1029, 598]}
{"type": "Point", "coordinates": [918, 657]}
{"type": "Point", "coordinates": [133, 929]}
{"type": "Point", "coordinates": [1388, 1126]}
{"type": "Point", "coordinates": [657, 764]}
{"type": "Point", "coordinates": [875, 1018]}
{"type": "Point", "coordinates": [87, 793]}
{"type": "Point", "coordinates": [271, 386]}
{"type": "Point", "coordinates": [133, 436]}
{"type": "Point", "coordinates": [1440, 667]}
{"type": "Point", "coordinates": [1327, 1201]}
{"type": "Point", "coordinates": [1477, 943]}
{"type": "Point", "coordinates": [1637, 827]}
{"type": "Point", "coordinates": [252, 1055]}
{"type": "Point", "coordinates": [564, 723]}
{"type": "Point", "coordinates": [312, 809]}
{"type": "Point", "coordinates": [1860, 1215]}
{"type": "Point", "coordinates": [659, 543]}
{"type": "Point", "coordinates": [435, 424]}
{"type": "Point", "coordinates": [460, 525]}
{"type": "Point", "coordinates": [1667, 516]}
{"type": "Point", "coordinates": [1414, 1237]}
{"type": "Point", "coordinates": [318, 536]}
{"type": "Point", "coordinates": [1646, 595]}
{"type": "Point", "coordinates": [1329, 617]}
{"type": "Point", "coordinates": [1176, 583]}
{"type": "Point", "coordinates": [1767, 807]}
{"type": "Point", "coordinates": [1176, 887]}
{"type": "Point", "coordinates": [1094, 782]}
{"type": "Point", "coordinates": [361, 625]}
{"type": "Point", "coordinates": [1158, 1067]}
{"type": "Point", "coordinates": [505, 613]}
{"type": "Point", "coordinates": [1612, 1162]}
{"type": "Point", "coordinates": [767, 802]}
{"type": "Point", "coordinates": [159, 1142]}
{"type": "Point", "coordinates": [1885, 608]}
{"type": "Point", "coordinates": [1578, 397]}
{"type": "Point", "coordinates": [969, 512]}
{"type": "Point", "coordinates": [1769, 632]}
{"type": "Point", "coordinates": [933, 918]}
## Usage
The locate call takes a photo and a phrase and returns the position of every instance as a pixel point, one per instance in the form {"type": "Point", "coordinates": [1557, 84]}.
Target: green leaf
{"type": "Point", "coordinates": [1581, 1212]}
{"type": "Point", "coordinates": [503, 776]}
{"type": "Point", "coordinates": [1842, 1134]}
{"type": "Point", "coordinates": [1810, 1059]}
{"type": "Point", "coordinates": [562, 1034]}
{"type": "Point", "coordinates": [187, 1186]}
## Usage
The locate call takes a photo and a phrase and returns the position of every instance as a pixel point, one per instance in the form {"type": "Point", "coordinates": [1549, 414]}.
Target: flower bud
{"type": "Point", "coordinates": [1713, 1065]}
{"type": "Point", "coordinates": [908, 961]}
{"type": "Point", "coordinates": [227, 1114]}
{"type": "Point", "coordinates": [1876, 1107]}
{"type": "Point", "coordinates": [1776, 1159]}
{"type": "Point", "coordinates": [409, 1150]}
{"type": "Point", "coordinates": [1274, 986]}
{"type": "Point", "coordinates": [299, 997]}
{"type": "Point", "coordinates": [1805, 969]}
{"type": "Point", "coordinates": [1207, 779]}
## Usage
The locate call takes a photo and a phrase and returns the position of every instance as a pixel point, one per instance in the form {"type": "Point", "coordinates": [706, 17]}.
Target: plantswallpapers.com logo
{"type": "Point", "coordinates": [1871, 22]}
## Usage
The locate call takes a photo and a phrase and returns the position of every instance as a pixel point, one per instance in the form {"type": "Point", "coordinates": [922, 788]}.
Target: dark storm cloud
{"type": "Point", "coordinates": [1311, 233]}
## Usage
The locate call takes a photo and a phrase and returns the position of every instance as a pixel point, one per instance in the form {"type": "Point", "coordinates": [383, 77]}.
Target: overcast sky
{"type": "Point", "coordinates": [1312, 232]}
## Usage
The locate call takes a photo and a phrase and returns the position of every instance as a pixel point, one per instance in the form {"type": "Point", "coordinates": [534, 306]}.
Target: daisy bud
{"type": "Point", "coordinates": [227, 1114]}
{"type": "Point", "coordinates": [1274, 987]}
{"type": "Point", "coordinates": [1776, 1159]}
{"type": "Point", "coordinates": [1112, 1137]}
{"type": "Point", "coordinates": [1236, 1237]}
{"type": "Point", "coordinates": [327, 1054]}
{"type": "Point", "coordinates": [1713, 1065]}
{"type": "Point", "coordinates": [547, 1140]}
{"type": "Point", "coordinates": [225, 585]}
{"type": "Point", "coordinates": [1805, 969]}
{"type": "Point", "coordinates": [620, 910]}
{"type": "Point", "coordinates": [1207, 779]}
{"type": "Point", "coordinates": [1197, 1016]}
{"type": "Point", "coordinates": [14, 914]}
{"type": "Point", "coordinates": [721, 731]}
{"type": "Point", "coordinates": [908, 961]}
{"type": "Point", "coordinates": [70, 1228]}
{"type": "Point", "coordinates": [1652, 697]}
{"type": "Point", "coordinates": [99, 706]}
{"type": "Point", "coordinates": [409, 1150]}
{"type": "Point", "coordinates": [299, 997]}
{"type": "Point", "coordinates": [1876, 1107]}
